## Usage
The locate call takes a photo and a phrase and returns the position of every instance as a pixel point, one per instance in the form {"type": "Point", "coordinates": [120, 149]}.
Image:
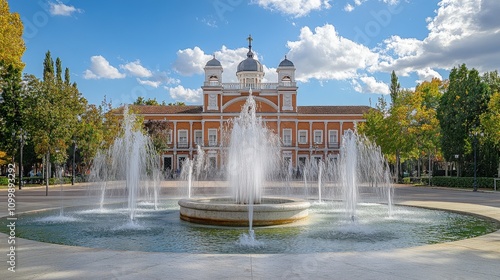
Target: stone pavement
{"type": "Point", "coordinates": [476, 258]}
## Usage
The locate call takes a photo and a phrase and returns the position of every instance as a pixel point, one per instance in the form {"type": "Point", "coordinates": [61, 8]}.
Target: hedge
{"type": "Point", "coordinates": [52, 181]}
{"type": "Point", "coordinates": [462, 182]}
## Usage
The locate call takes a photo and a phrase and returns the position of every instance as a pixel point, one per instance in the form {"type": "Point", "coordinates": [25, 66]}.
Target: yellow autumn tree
{"type": "Point", "coordinates": [11, 41]}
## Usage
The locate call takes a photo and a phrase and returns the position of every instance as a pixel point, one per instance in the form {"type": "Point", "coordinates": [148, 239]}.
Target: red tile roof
{"type": "Point", "coordinates": [162, 109]}
{"type": "Point", "coordinates": [333, 110]}
{"type": "Point", "coordinates": [190, 109]}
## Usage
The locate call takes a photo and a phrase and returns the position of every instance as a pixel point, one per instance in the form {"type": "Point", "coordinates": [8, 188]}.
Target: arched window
{"type": "Point", "coordinates": [213, 80]}
{"type": "Point", "coordinates": [286, 81]}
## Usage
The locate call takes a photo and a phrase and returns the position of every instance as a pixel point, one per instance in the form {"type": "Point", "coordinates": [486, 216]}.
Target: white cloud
{"type": "Point", "coordinates": [348, 8]}
{"type": "Point", "coordinates": [462, 31]}
{"type": "Point", "coordinates": [150, 83]}
{"type": "Point", "coordinates": [100, 68]}
{"type": "Point", "coordinates": [179, 93]}
{"type": "Point", "coordinates": [192, 61]}
{"type": "Point", "coordinates": [136, 69]}
{"type": "Point", "coordinates": [325, 55]}
{"type": "Point", "coordinates": [158, 78]}
{"type": "Point", "coordinates": [370, 85]}
{"type": "Point", "coordinates": [60, 9]}
{"type": "Point", "coordinates": [296, 8]}
{"type": "Point", "coordinates": [427, 74]}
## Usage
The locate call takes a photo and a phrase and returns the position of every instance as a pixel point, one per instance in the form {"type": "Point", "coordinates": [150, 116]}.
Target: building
{"type": "Point", "coordinates": [307, 132]}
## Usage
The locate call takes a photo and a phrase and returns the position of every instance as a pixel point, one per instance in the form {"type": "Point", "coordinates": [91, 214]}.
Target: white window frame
{"type": "Point", "coordinates": [320, 134]}
{"type": "Point", "coordinates": [330, 138]}
{"type": "Point", "coordinates": [299, 137]}
{"type": "Point", "coordinates": [169, 136]}
{"type": "Point", "coordinates": [212, 133]}
{"type": "Point", "coordinates": [287, 137]}
{"type": "Point", "coordinates": [302, 156]}
{"type": "Point", "coordinates": [214, 158]}
{"type": "Point", "coordinates": [180, 158]}
{"type": "Point", "coordinates": [317, 158]}
{"type": "Point", "coordinates": [198, 139]}
{"type": "Point", "coordinates": [180, 135]}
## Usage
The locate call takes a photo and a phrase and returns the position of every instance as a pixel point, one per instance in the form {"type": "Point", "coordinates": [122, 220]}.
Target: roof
{"type": "Point", "coordinates": [333, 110]}
{"type": "Point", "coordinates": [286, 63]}
{"type": "Point", "coordinates": [194, 109]}
{"type": "Point", "coordinates": [250, 64]}
{"type": "Point", "coordinates": [213, 62]}
{"type": "Point", "coordinates": [163, 109]}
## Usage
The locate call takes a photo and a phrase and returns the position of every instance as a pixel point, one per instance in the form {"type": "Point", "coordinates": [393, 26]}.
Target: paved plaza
{"type": "Point", "coordinates": [476, 258]}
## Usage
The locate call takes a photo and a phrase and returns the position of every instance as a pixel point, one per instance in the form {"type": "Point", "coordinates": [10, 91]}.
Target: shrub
{"type": "Point", "coordinates": [462, 182]}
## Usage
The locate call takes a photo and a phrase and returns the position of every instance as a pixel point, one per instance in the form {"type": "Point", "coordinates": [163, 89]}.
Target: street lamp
{"type": "Point", "coordinates": [474, 142]}
{"type": "Point", "coordinates": [73, 164]}
{"type": "Point", "coordinates": [22, 137]}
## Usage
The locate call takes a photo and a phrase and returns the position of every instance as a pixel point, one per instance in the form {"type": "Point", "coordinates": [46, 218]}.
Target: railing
{"type": "Point", "coordinates": [248, 86]}
{"type": "Point", "coordinates": [185, 145]}
{"type": "Point", "coordinates": [182, 145]}
{"type": "Point", "coordinates": [333, 145]}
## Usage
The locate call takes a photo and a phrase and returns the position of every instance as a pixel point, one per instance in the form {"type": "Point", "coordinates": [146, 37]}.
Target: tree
{"type": "Point", "coordinates": [11, 42]}
{"type": "Point", "coordinates": [158, 132]}
{"type": "Point", "coordinates": [490, 120]}
{"type": "Point", "coordinates": [141, 101]}
{"type": "Point", "coordinates": [461, 105]}
{"type": "Point", "coordinates": [56, 107]}
{"type": "Point", "coordinates": [178, 103]}
{"type": "Point", "coordinates": [12, 109]}
{"type": "Point", "coordinates": [395, 87]}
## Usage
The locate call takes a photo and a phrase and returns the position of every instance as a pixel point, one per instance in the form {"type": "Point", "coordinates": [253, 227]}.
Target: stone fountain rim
{"type": "Point", "coordinates": [269, 204]}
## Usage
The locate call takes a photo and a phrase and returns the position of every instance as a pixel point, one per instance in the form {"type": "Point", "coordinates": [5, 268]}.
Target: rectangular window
{"type": "Point", "coordinates": [198, 137]}
{"type": "Point", "coordinates": [212, 137]}
{"type": "Point", "coordinates": [287, 137]}
{"type": "Point", "coordinates": [302, 136]}
{"type": "Point", "coordinates": [169, 137]}
{"type": "Point", "coordinates": [182, 138]}
{"type": "Point", "coordinates": [333, 139]}
{"type": "Point", "coordinates": [318, 136]}
{"type": "Point", "coordinates": [212, 162]}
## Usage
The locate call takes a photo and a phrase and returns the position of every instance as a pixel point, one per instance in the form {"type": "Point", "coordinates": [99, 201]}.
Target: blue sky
{"type": "Point", "coordinates": [344, 50]}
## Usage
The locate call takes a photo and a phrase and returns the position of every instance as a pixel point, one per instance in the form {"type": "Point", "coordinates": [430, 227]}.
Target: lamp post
{"type": "Point", "coordinates": [21, 145]}
{"type": "Point", "coordinates": [474, 142]}
{"type": "Point", "coordinates": [73, 164]}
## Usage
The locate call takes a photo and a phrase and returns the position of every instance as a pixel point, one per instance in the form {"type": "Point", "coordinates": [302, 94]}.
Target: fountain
{"type": "Point", "coordinates": [129, 168]}
{"type": "Point", "coordinates": [253, 156]}
{"type": "Point", "coordinates": [344, 221]}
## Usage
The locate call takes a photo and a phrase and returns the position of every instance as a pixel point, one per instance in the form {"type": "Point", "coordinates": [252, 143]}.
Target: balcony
{"type": "Point", "coordinates": [182, 145]}
{"type": "Point", "coordinates": [239, 86]}
{"type": "Point", "coordinates": [333, 145]}
{"type": "Point", "coordinates": [212, 143]}
{"type": "Point", "coordinates": [287, 144]}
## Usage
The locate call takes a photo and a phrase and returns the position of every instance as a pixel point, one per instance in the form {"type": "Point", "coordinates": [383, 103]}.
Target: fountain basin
{"type": "Point", "coordinates": [223, 211]}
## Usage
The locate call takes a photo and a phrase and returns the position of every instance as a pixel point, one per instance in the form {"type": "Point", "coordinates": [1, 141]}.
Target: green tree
{"type": "Point", "coordinates": [56, 108]}
{"type": "Point", "coordinates": [395, 87]}
{"type": "Point", "coordinates": [11, 42]}
{"type": "Point", "coordinates": [141, 101]}
{"type": "Point", "coordinates": [178, 103]}
{"type": "Point", "coordinates": [461, 105]}
{"type": "Point", "coordinates": [12, 109]}
{"type": "Point", "coordinates": [158, 132]}
{"type": "Point", "coordinates": [490, 120]}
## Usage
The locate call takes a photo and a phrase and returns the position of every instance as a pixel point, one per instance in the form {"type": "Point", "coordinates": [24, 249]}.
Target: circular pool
{"type": "Point", "coordinates": [325, 230]}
